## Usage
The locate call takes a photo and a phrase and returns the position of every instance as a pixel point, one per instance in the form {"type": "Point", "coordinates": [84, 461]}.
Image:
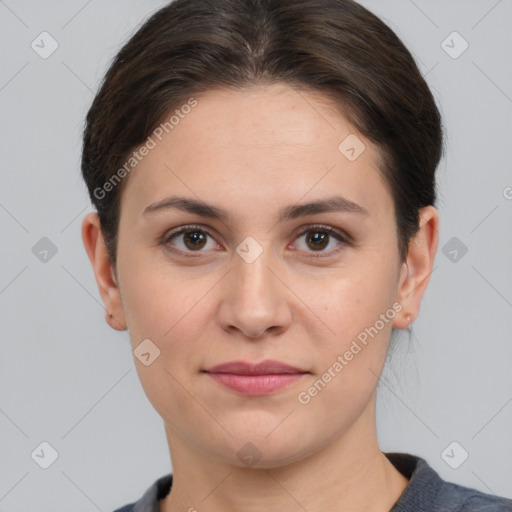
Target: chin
{"type": "Point", "coordinates": [253, 450]}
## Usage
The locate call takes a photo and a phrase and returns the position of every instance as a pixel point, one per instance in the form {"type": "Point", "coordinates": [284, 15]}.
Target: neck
{"type": "Point", "coordinates": [350, 473]}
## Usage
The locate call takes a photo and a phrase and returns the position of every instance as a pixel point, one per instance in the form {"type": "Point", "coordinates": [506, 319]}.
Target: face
{"type": "Point", "coordinates": [318, 289]}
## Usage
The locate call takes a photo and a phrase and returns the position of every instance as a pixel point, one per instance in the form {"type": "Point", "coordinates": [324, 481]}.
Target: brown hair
{"type": "Point", "coordinates": [335, 47]}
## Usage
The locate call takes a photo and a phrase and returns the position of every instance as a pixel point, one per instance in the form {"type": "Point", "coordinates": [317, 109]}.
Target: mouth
{"type": "Point", "coordinates": [255, 379]}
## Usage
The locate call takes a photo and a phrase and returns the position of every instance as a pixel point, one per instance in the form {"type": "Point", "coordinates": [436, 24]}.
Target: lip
{"type": "Point", "coordinates": [265, 367]}
{"type": "Point", "coordinates": [255, 379]}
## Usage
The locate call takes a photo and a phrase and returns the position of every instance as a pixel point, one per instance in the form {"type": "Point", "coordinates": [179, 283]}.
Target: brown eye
{"type": "Point", "coordinates": [189, 239]}
{"type": "Point", "coordinates": [194, 239]}
{"type": "Point", "coordinates": [317, 240]}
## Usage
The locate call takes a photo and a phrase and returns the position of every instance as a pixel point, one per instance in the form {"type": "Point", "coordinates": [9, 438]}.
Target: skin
{"type": "Point", "coordinates": [254, 152]}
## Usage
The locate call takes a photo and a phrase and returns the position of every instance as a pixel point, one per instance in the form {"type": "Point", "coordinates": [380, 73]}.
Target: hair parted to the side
{"type": "Point", "coordinates": [335, 47]}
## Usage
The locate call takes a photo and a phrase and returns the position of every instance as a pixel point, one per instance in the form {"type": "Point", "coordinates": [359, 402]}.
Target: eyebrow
{"type": "Point", "coordinates": [331, 204]}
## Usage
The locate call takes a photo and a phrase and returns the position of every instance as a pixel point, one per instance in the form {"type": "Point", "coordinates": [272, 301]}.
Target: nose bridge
{"type": "Point", "coordinates": [253, 302]}
{"type": "Point", "coordinates": [251, 272]}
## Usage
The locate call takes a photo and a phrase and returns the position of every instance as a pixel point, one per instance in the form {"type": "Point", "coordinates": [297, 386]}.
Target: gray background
{"type": "Point", "coordinates": [68, 379]}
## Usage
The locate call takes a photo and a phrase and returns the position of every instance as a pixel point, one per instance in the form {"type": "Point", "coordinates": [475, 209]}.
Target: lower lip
{"type": "Point", "coordinates": [255, 385]}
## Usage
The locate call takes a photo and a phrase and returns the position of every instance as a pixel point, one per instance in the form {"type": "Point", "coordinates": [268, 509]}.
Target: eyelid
{"type": "Point", "coordinates": [343, 238]}
{"type": "Point", "coordinates": [342, 235]}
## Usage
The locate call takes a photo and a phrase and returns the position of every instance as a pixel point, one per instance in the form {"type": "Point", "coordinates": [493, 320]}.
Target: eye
{"type": "Point", "coordinates": [193, 239]}
{"type": "Point", "coordinates": [319, 237]}
{"type": "Point", "coordinates": [190, 239]}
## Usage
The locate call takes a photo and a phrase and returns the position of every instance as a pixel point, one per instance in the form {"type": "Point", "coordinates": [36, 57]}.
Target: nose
{"type": "Point", "coordinates": [255, 299]}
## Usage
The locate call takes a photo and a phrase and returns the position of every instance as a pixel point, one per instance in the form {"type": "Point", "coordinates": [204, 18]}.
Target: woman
{"type": "Point", "coordinates": [264, 178]}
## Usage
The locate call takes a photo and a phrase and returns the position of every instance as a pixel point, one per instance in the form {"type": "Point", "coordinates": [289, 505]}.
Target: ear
{"type": "Point", "coordinates": [416, 270]}
{"type": "Point", "coordinates": [94, 244]}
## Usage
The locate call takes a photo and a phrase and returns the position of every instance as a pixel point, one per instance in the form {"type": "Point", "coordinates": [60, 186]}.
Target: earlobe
{"type": "Point", "coordinates": [104, 274]}
{"type": "Point", "coordinates": [418, 267]}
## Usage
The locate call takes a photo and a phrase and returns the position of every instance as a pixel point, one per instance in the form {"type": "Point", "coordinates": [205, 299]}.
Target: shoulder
{"type": "Point", "coordinates": [126, 508]}
{"type": "Point", "coordinates": [458, 498]}
{"type": "Point", "coordinates": [149, 501]}
{"type": "Point", "coordinates": [428, 492]}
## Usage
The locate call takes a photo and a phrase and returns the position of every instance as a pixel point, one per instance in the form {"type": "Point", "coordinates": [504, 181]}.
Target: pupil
{"type": "Point", "coordinates": [195, 238]}
{"type": "Point", "coordinates": [319, 237]}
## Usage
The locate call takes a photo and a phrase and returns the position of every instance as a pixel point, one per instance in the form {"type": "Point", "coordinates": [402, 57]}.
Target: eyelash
{"type": "Point", "coordinates": [344, 240]}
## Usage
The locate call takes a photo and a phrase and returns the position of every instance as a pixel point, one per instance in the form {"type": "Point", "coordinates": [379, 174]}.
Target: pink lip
{"type": "Point", "coordinates": [255, 379]}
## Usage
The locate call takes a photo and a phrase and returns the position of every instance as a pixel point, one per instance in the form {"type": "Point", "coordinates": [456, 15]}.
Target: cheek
{"type": "Point", "coordinates": [354, 299]}
{"type": "Point", "coordinates": [349, 362]}
{"type": "Point", "coordinates": [168, 311]}
{"type": "Point", "coordinates": [169, 306]}
{"type": "Point", "coordinates": [359, 310]}
{"type": "Point", "coordinates": [157, 297]}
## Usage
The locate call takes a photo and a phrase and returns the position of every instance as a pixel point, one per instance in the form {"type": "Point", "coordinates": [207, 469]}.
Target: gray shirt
{"type": "Point", "coordinates": [425, 492]}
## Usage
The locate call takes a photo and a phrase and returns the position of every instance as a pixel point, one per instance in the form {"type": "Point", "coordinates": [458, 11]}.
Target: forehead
{"type": "Point", "coordinates": [267, 142]}
{"type": "Point", "coordinates": [264, 120]}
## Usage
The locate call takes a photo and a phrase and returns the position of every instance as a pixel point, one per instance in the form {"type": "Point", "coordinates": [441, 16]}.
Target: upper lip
{"type": "Point", "coordinates": [248, 368]}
